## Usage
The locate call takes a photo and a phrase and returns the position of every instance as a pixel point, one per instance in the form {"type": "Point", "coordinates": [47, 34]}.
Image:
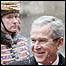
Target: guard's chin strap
{"type": "Point", "coordinates": [5, 27]}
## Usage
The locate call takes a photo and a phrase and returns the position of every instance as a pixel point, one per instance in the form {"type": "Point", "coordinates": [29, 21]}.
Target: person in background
{"type": "Point", "coordinates": [47, 37]}
{"type": "Point", "coordinates": [13, 45]}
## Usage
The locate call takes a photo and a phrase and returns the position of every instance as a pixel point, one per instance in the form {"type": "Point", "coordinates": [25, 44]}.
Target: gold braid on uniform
{"type": "Point", "coordinates": [9, 41]}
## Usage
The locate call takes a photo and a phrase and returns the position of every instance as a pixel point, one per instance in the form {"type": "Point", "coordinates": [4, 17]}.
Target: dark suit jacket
{"type": "Point", "coordinates": [32, 61]}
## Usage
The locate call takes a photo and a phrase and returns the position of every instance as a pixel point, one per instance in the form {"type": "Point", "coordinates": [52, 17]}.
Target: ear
{"type": "Point", "coordinates": [60, 42]}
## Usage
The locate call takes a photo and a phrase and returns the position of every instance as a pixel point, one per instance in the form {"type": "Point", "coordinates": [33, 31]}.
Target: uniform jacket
{"type": "Point", "coordinates": [13, 50]}
{"type": "Point", "coordinates": [32, 61]}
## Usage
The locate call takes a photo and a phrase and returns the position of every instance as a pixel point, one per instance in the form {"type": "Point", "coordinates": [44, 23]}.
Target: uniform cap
{"type": "Point", "coordinates": [9, 7]}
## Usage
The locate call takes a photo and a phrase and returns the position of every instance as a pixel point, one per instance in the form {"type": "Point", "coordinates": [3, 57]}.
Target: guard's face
{"type": "Point", "coordinates": [11, 22]}
{"type": "Point", "coordinates": [42, 44]}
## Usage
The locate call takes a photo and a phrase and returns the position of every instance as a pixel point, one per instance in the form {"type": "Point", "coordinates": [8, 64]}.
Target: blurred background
{"type": "Point", "coordinates": [30, 10]}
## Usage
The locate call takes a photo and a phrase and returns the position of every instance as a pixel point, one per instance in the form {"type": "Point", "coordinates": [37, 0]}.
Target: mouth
{"type": "Point", "coordinates": [39, 53]}
{"type": "Point", "coordinates": [14, 27]}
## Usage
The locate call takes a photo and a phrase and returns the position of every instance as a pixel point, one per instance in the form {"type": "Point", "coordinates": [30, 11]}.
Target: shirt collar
{"type": "Point", "coordinates": [56, 61]}
{"type": "Point", "coordinates": [40, 64]}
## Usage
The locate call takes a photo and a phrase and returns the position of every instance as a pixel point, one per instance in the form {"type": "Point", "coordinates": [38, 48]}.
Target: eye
{"type": "Point", "coordinates": [17, 16]}
{"type": "Point", "coordinates": [43, 40]}
{"type": "Point", "coordinates": [33, 40]}
{"type": "Point", "coordinates": [10, 17]}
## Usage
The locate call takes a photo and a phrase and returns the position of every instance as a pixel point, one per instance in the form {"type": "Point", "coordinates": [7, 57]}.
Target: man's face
{"type": "Point", "coordinates": [11, 22]}
{"type": "Point", "coordinates": [42, 44]}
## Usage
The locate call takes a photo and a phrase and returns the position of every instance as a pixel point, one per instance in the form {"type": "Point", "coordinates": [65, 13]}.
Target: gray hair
{"type": "Point", "coordinates": [56, 25]}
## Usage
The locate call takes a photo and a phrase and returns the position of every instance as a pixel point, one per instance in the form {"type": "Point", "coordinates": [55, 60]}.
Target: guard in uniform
{"type": "Point", "coordinates": [13, 45]}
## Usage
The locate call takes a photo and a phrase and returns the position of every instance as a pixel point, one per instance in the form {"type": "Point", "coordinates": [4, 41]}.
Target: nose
{"type": "Point", "coordinates": [15, 20]}
{"type": "Point", "coordinates": [37, 45]}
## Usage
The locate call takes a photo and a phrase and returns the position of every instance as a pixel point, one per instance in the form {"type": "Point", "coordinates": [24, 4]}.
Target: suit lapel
{"type": "Point", "coordinates": [61, 60]}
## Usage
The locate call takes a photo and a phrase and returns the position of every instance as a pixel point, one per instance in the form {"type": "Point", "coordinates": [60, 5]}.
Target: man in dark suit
{"type": "Point", "coordinates": [47, 35]}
